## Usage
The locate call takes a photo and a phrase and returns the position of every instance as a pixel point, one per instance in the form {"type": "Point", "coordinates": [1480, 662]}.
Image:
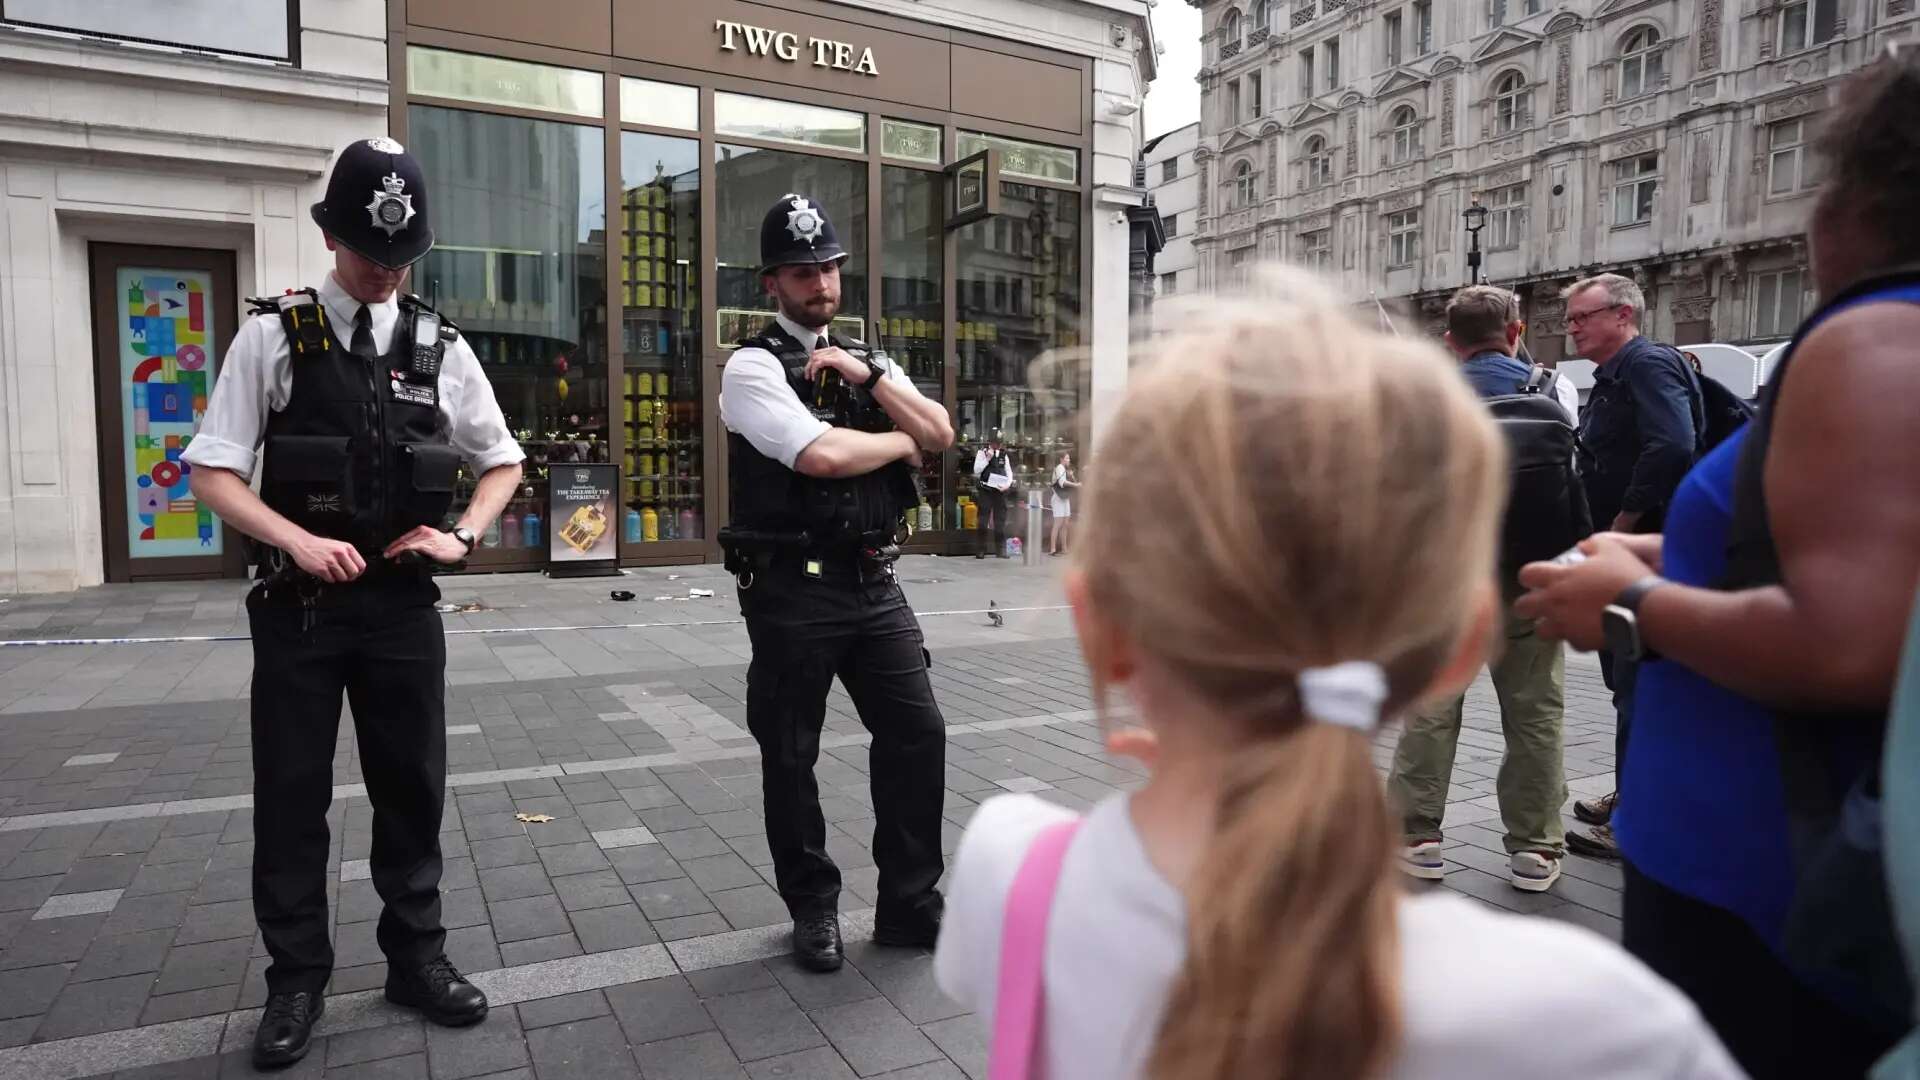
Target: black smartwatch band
{"type": "Point", "coordinates": [875, 372]}
{"type": "Point", "coordinates": [1631, 596]}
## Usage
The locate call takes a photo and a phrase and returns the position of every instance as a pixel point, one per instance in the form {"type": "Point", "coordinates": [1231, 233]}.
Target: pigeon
{"type": "Point", "coordinates": [994, 616]}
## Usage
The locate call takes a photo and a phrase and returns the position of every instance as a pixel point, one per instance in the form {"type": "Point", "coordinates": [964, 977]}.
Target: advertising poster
{"type": "Point", "coordinates": [581, 502]}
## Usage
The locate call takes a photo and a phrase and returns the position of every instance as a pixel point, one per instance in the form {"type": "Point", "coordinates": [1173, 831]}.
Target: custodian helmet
{"type": "Point", "coordinates": [796, 230]}
{"type": "Point", "coordinates": [376, 203]}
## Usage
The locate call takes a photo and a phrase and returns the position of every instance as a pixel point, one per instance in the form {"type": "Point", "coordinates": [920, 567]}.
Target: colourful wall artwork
{"type": "Point", "coordinates": [166, 370]}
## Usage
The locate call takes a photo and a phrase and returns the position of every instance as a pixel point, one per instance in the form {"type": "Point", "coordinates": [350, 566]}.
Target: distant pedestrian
{"type": "Point", "coordinates": [993, 477]}
{"type": "Point", "coordinates": [1547, 510]}
{"type": "Point", "coordinates": [1065, 483]}
{"type": "Point", "coordinates": [1287, 543]}
{"type": "Point", "coordinates": [1640, 433]}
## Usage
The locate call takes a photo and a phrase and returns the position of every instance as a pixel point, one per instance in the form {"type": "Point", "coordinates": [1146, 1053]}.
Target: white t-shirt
{"type": "Point", "coordinates": [257, 378]}
{"type": "Point", "coordinates": [1484, 994]}
{"type": "Point", "coordinates": [757, 401]}
{"type": "Point", "coordinates": [1569, 396]}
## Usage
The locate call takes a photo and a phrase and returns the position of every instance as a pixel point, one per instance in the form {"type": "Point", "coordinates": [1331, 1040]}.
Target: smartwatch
{"type": "Point", "coordinates": [465, 536]}
{"type": "Point", "coordinates": [875, 372]}
{"type": "Point", "coordinates": [1620, 622]}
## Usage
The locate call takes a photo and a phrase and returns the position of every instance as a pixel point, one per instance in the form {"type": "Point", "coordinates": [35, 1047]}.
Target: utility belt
{"type": "Point", "coordinates": [281, 581]}
{"type": "Point", "coordinates": [750, 553]}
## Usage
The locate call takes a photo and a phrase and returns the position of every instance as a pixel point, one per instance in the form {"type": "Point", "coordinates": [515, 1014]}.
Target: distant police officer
{"type": "Point", "coordinates": [825, 438]}
{"type": "Point", "coordinates": [366, 406]}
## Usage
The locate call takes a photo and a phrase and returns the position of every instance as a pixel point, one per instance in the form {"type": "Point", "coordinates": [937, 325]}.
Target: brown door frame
{"type": "Point", "coordinates": [104, 260]}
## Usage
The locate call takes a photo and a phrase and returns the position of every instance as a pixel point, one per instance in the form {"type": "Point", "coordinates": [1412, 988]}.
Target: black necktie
{"type": "Point", "coordinates": [363, 334]}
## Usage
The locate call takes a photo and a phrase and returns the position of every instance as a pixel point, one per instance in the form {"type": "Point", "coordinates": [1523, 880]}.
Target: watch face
{"type": "Point", "coordinates": [1622, 632]}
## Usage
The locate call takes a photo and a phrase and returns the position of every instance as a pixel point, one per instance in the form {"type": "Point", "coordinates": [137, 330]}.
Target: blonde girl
{"type": "Point", "coordinates": [1291, 535]}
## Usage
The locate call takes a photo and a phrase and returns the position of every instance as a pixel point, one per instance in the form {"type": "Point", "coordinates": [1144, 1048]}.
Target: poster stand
{"type": "Point", "coordinates": [582, 540]}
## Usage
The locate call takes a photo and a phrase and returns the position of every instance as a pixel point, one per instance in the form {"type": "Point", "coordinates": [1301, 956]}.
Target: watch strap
{"type": "Point", "coordinates": [875, 372]}
{"type": "Point", "coordinates": [466, 537]}
{"type": "Point", "coordinates": [1631, 596]}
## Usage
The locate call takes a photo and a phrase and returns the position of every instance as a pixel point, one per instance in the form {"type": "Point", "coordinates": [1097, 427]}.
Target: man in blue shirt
{"type": "Point", "coordinates": [1529, 672]}
{"type": "Point", "coordinates": [1640, 435]}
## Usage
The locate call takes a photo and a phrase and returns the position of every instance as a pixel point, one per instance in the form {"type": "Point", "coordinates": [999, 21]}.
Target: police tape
{"type": "Point", "coordinates": [479, 631]}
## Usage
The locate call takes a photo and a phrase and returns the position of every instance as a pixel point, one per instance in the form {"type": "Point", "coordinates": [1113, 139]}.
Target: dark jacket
{"type": "Point", "coordinates": [1639, 433]}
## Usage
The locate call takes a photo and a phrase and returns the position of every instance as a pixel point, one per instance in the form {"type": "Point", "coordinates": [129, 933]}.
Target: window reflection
{"type": "Point", "coordinates": [519, 212]}
{"type": "Point", "coordinates": [750, 180]}
{"type": "Point", "coordinates": [659, 274]}
{"type": "Point", "coordinates": [910, 302]}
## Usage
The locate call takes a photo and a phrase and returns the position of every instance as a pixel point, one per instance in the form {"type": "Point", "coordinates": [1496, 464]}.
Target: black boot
{"type": "Point", "coordinates": [915, 928]}
{"type": "Point", "coordinates": [437, 989]}
{"type": "Point", "coordinates": [286, 1029]}
{"type": "Point", "coordinates": [816, 942]}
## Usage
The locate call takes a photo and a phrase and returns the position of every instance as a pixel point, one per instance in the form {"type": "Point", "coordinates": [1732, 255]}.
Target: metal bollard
{"type": "Point", "coordinates": [1035, 533]}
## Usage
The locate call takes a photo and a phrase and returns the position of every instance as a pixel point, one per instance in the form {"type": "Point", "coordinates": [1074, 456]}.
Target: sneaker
{"type": "Point", "coordinates": [1596, 811]}
{"type": "Point", "coordinates": [1533, 871]}
{"type": "Point", "coordinates": [1423, 861]}
{"type": "Point", "coordinates": [1595, 843]}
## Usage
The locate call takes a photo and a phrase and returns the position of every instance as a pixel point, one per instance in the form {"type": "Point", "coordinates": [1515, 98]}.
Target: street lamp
{"type": "Point", "coordinates": [1476, 217]}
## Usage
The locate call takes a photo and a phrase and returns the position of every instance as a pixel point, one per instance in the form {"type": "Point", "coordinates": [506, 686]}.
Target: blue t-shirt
{"type": "Point", "coordinates": [1702, 809]}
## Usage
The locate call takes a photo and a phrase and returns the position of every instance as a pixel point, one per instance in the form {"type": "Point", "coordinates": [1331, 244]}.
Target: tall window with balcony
{"type": "Point", "coordinates": [1319, 161]}
{"type": "Point", "coordinates": [1316, 249]}
{"type": "Point", "coordinates": [1422, 27]}
{"type": "Point", "coordinates": [1806, 23]}
{"type": "Point", "coordinates": [1391, 29]}
{"type": "Point", "coordinates": [1777, 296]}
{"type": "Point", "coordinates": [1641, 61]}
{"type": "Point", "coordinates": [1403, 238]}
{"type": "Point", "coordinates": [1507, 217]}
{"type": "Point", "coordinates": [1635, 180]}
{"type": "Point", "coordinates": [1262, 17]}
{"type": "Point", "coordinates": [1790, 168]}
{"type": "Point", "coordinates": [1332, 49]}
{"type": "Point", "coordinates": [1243, 185]}
{"type": "Point", "coordinates": [1512, 103]}
{"type": "Point", "coordinates": [1230, 35]}
{"type": "Point", "coordinates": [1406, 135]}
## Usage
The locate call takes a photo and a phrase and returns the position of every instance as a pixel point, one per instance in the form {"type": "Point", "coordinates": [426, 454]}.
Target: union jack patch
{"type": "Point", "coordinates": [323, 504]}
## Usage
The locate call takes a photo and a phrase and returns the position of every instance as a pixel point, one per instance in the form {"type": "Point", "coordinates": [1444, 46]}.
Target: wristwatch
{"type": "Point", "coordinates": [875, 372]}
{"type": "Point", "coordinates": [1621, 620]}
{"type": "Point", "coordinates": [465, 536]}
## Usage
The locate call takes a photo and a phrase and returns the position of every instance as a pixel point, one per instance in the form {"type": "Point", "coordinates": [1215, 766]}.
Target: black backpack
{"type": "Point", "coordinates": [1725, 412]}
{"type": "Point", "coordinates": [1547, 511]}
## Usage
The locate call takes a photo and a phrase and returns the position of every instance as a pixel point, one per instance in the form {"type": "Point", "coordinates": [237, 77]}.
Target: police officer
{"type": "Point", "coordinates": [825, 439]}
{"type": "Point", "coordinates": [366, 406]}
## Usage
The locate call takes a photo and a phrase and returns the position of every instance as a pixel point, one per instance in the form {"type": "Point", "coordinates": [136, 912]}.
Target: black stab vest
{"type": "Point", "coordinates": [359, 453]}
{"type": "Point", "coordinates": [843, 514]}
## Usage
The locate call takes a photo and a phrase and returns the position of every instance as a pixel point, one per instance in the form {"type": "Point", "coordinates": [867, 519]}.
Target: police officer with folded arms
{"type": "Point", "coordinates": [358, 406]}
{"type": "Point", "coordinates": [825, 439]}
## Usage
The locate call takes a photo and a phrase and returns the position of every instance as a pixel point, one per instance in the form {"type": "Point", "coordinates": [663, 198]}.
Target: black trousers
{"type": "Point", "coordinates": [1772, 1023]}
{"type": "Point", "coordinates": [993, 520]}
{"type": "Point", "coordinates": [805, 631]}
{"type": "Point", "coordinates": [1620, 675]}
{"type": "Point", "coordinates": [381, 642]}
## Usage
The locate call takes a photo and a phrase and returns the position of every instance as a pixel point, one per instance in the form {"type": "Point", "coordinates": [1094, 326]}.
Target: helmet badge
{"type": "Point", "coordinates": [391, 209]}
{"type": "Point", "coordinates": [803, 221]}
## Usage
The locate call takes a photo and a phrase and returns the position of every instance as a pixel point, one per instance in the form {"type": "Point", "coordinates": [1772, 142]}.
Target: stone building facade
{"type": "Point", "coordinates": [1663, 139]}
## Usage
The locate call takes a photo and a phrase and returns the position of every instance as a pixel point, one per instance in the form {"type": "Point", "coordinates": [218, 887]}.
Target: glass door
{"type": "Point", "coordinates": [912, 299]}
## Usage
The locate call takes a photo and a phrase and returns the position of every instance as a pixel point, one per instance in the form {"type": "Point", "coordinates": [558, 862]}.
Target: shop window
{"type": "Point", "coordinates": [660, 344]}
{"type": "Point", "coordinates": [493, 80]}
{"type": "Point", "coordinates": [909, 141]}
{"type": "Point", "coordinates": [789, 122]}
{"type": "Point", "coordinates": [522, 270]}
{"type": "Point", "coordinates": [1025, 160]}
{"type": "Point", "coordinates": [658, 104]}
{"type": "Point", "coordinates": [912, 292]}
{"type": "Point", "coordinates": [1017, 370]}
{"type": "Point", "coordinates": [748, 180]}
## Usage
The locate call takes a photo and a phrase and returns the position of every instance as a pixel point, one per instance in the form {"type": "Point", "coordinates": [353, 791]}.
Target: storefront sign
{"type": "Point", "coordinates": [581, 516]}
{"type": "Point", "coordinates": [783, 45]}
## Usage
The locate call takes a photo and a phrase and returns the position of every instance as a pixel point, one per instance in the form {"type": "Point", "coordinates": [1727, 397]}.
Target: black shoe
{"type": "Point", "coordinates": [979, 554]}
{"type": "Point", "coordinates": [286, 1029]}
{"type": "Point", "coordinates": [816, 942]}
{"type": "Point", "coordinates": [1595, 843]}
{"type": "Point", "coordinates": [914, 935]}
{"type": "Point", "coordinates": [437, 989]}
{"type": "Point", "coordinates": [1596, 811]}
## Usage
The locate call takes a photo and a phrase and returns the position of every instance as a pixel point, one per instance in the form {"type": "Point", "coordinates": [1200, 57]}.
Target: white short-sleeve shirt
{"type": "Point", "coordinates": [1483, 994]}
{"type": "Point", "coordinates": [257, 379]}
{"type": "Point", "coordinates": [758, 403]}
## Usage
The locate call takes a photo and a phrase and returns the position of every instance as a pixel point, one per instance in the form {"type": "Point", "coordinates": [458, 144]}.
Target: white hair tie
{"type": "Point", "coordinates": [1348, 694]}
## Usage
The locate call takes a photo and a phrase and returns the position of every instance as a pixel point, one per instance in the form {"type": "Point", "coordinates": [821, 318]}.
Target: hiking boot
{"type": "Point", "coordinates": [1423, 861]}
{"type": "Point", "coordinates": [438, 989]}
{"type": "Point", "coordinates": [1595, 843]}
{"type": "Point", "coordinates": [1533, 871]}
{"type": "Point", "coordinates": [1596, 811]}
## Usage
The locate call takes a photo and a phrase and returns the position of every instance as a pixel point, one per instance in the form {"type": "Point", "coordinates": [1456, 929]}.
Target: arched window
{"type": "Point", "coordinates": [1230, 29]}
{"type": "Point", "coordinates": [1640, 63]}
{"type": "Point", "coordinates": [1243, 184]}
{"type": "Point", "coordinates": [1319, 161]}
{"type": "Point", "coordinates": [1406, 134]}
{"type": "Point", "coordinates": [1511, 103]}
{"type": "Point", "coordinates": [1261, 12]}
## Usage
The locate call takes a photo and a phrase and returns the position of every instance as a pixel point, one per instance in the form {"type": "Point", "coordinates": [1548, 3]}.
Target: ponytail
{"type": "Point", "coordinates": [1292, 947]}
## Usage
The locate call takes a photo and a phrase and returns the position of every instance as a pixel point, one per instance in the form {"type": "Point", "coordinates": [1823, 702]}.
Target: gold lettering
{"type": "Point", "coordinates": [759, 39]}
{"type": "Point", "coordinates": [842, 56]}
{"type": "Point", "coordinates": [820, 47]}
{"type": "Point", "coordinates": [787, 47]}
{"type": "Point", "coordinates": [728, 29]}
{"type": "Point", "coordinates": [866, 66]}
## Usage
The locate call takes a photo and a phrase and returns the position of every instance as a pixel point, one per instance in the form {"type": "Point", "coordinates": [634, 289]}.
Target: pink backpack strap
{"type": "Point", "coordinates": [1023, 947]}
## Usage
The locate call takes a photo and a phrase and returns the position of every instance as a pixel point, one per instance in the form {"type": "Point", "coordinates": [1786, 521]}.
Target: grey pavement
{"type": "Point", "coordinates": [636, 933]}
